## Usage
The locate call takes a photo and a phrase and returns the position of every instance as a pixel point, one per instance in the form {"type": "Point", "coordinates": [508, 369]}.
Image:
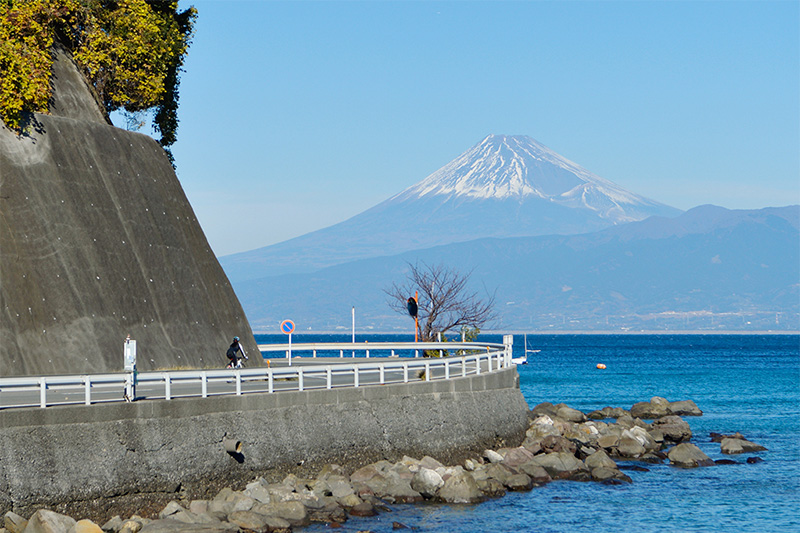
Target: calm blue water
{"type": "Point", "coordinates": [746, 383]}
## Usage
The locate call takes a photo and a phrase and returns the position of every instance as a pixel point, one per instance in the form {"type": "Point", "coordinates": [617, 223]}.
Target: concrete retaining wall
{"type": "Point", "coordinates": [96, 461]}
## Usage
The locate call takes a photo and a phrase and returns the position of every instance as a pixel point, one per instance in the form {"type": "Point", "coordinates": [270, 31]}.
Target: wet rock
{"type": "Point", "coordinates": [545, 408]}
{"type": "Point", "coordinates": [519, 482]}
{"type": "Point", "coordinates": [607, 412]}
{"type": "Point", "coordinates": [717, 437]}
{"type": "Point", "coordinates": [571, 415]}
{"type": "Point", "coordinates": [655, 408]}
{"type": "Point", "coordinates": [754, 460]}
{"type": "Point", "coordinates": [536, 472]}
{"type": "Point", "coordinates": [363, 509]}
{"type": "Point", "coordinates": [329, 512]}
{"type": "Point", "coordinates": [687, 455]}
{"type": "Point", "coordinates": [602, 473]}
{"type": "Point", "coordinates": [629, 447]}
{"type": "Point", "coordinates": [491, 488]}
{"type": "Point", "coordinates": [398, 525]}
{"type": "Point", "coordinates": [731, 446]}
{"type": "Point", "coordinates": [726, 462]}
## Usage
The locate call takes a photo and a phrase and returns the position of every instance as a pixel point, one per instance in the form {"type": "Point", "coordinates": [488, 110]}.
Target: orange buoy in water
{"type": "Point", "coordinates": [601, 366]}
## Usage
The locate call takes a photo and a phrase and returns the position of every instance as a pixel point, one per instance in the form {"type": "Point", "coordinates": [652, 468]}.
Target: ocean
{"type": "Point", "coordinates": [745, 383]}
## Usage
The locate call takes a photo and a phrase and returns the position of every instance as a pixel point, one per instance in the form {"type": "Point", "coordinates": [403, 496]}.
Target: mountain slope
{"type": "Point", "coordinates": [504, 186]}
{"type": "Point", "coordinates": [710, 268]}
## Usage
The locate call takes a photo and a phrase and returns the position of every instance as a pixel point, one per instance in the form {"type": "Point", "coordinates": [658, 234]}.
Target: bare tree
{"type": "Point", "coordinates": [445, 300]}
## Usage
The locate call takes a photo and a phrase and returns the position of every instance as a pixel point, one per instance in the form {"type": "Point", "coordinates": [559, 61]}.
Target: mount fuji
{"type": "Point", "coordinates": [504, 186]}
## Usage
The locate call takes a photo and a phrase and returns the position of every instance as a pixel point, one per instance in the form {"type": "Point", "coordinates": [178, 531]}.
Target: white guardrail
{"type": "Point", "coordinates": [280, 374]}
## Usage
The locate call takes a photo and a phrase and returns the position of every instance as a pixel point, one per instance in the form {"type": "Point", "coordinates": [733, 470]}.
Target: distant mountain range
{"type": "Point", "coordinates": [505, 186]}
{"type": "Point", "coordinates": [708, 269]}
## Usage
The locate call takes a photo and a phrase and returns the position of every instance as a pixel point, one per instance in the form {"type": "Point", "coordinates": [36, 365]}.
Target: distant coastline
{"type": "Point", "coordinates": [559, 332]}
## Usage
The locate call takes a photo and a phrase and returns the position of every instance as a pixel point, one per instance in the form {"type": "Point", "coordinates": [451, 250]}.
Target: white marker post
{"type": "Point", "coordinates": [354, 329]}
{"type": "Point", "coordinates": [129, 357]}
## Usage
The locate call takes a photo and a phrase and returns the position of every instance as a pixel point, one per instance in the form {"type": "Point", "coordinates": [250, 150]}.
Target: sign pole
{"type": "Point", "coordinates": [287, 327]}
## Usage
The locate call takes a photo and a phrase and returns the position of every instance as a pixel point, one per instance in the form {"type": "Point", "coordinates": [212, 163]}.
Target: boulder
{"type": "Point", "coordinates": [717, 437]}
{"type": "Point", "coordinates": [733, 446]}
{"type": "Point", "coordinates": [85, 526]}
{"type": "Point", "coordinates": [363, 509]}
{"type": "Point", "coordinates": [607, 441]}
{"type": "Point", "coordinates": [545, 408]}
{"type": "Point", "coordinates": [558, 464]}
{"type": "Point", "coordinates": [249, 520]}
{"type": "Point", "coordinates": [571, 415]}
{"type": "Point", "coordinates": [600, 459]}
{"type": "Point", "coordinates": [257, 491]}
{"type": "Point", "coordinates": [655, 408]}
{"type": "Point", "coordinates": [14, 523]}
{"type": "Point", "coordinates": [492, 456]}
{"type": "Point", "coordinates": [557, 443]}
{"type": "Point", "coordinates": [171, 508]}
{"type": "Point", "coordinates": [329, 512]}
{"type": "Point", "coordinates": [168, 525]}
{"type": "Point", "coordinates": [687, 455]}
{"type": "Point", "coordinates": [629, 447]}
{"type": "Point", "coordinates": [673, 428]}
{"type": "Point", "coordinates": [491, 487]}
{"type": "Point", "coordinates": [427, 482]}
{"type": "Point", "coordinates": [602, 473]}
{"type": "Point", "coordinates": [519, 482]}
{"type": "Point", "coordinates": [536, 472]}
{"type": "Point", "coordinates": [460, 488]}
{"type": "Point", "coordinates": [46, 521]}
{"type": "Point", "coordinates": [607, 412]}
{"type": "Point", "coordinates": [293, 512]}
{"type": "Point", "coordinates": [685, 408]}
{"type": "Point", "coordinates": [517, 456]}
{"type": "Point", "coordinates": [754, 460]}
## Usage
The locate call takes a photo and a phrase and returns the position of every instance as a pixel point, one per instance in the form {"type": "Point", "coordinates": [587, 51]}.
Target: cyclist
{"type": "Point", "coordinates": [235, 347]}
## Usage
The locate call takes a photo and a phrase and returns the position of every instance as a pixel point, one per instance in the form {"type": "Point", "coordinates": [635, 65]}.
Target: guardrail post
{"type": "Point", "coordinates": [355, 376]}
{"type": "Point", "coordinates": [328, 373]}
{"type": "Point", "coordinates": [204, 384]}
{"type": "Point", "coordinates": [381, 371]}
{"type": "Point", "coordinates": [427, 370]}
{"type": "Point", "coordinates": [314, 353]}
{"type": "Point", "coordinates": [405, 372]}
{"type": "Point", "coordinates": [508, 352]}
{"type": "Point", "coordinates": [167, 387]}
{"type": "Point", "coordinates": [341, 353]}
{"type": "Point", "coordinates": [464, 367]}
{"type": "Point", "coordinates": [478, 364]}
{"type": "Point", "coordinates": [392, 353]}
{"type": "Point", "coordinates": [367, 354]}
{"type": "Point", "coordinates": [238, 382]}
{"type": "Point", "coordinates": [300, 379]}
{"type": "Point", "coordinates": [87, 393]}
{"type": "Point", "coordinates": [447, 370]}
{"type": "Point", "coordinates": [42, 393]}
{"type": "Point", "coordinates": [270, 380]}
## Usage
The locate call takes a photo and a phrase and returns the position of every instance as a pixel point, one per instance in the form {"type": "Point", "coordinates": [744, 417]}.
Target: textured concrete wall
{"type": "Point", "coordinates": [97, 241]}
{"type": "Point", "coordinates": [98, 460]}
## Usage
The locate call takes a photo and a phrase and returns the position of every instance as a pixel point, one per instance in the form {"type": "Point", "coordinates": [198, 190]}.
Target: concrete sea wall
{"type": "Point", "coordinates": [94, 461]}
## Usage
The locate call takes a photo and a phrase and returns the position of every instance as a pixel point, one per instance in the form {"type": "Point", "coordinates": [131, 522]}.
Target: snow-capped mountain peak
{"type": "Point", "coordinates": [504, 167]}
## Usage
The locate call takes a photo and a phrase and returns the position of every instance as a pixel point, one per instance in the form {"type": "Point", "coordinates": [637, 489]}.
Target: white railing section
{"type": "Point", "coordinates": [321, 373]}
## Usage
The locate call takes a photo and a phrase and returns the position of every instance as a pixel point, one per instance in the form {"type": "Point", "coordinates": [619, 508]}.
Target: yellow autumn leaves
{"type": "Point", "coordinates": [130, 50]}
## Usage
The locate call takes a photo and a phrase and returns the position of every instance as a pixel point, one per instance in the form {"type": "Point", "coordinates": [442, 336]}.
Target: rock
{"type": "Point", "coordinates": [196, 507]}
{"type": "Point", "coordinates": [492, 456]}
{"type": "Point", "coordinates": [331, 469]}
{"type": "Point", "coordinates": [363, 509]}
{"type": "Point", "coordinates": [558, 464]}
{"type": "Point", "coordinates": [602, 473]}
{"type": "Point", "coordinates": [733, 446]}
{"type": "Point", "coordinates": [398, 525]}
{"type": "Point", "coordinates": [608, 441]}
{"type": "Point", "coordinates": [726, 462]}
{"type": "Point", "coordinates": [491, 487]}
{"type": "Point", "coordinates": [430, 462]}
{"type": "Point", "coordinates": [85, 526]}
{"type": "Point", "coordinates": [470, 465]}
{"type": "Point", "coordinates": [685, 408]}
{"type": "Point", "coordinates": [330, 512]}
{"type": "Point", "coordinates": [133, 526]}
{"type": "Point", "coordinates": [545, 408]}
{"type": "Point", "coordinates": [171, 508]}
{"type": "Point", "coordinates": [499, 472]}
{"type": "Point", "coordinates": [629, 447]}
{"type": "Point", "coordinates": [257, 491]}
{"type": "Point", "coordinates": [571, 415]}
{"type": "Point", "coordinates": [754, 460]}
{"type": "Point", "coordinates": [674, 428]}
{"type": "Point", "coordinates": [14, 523]}
{"type": "Point", "coordinates": [687, 455]}
{"type": "Point", "coordinates": [427, 482]}
{"type": "Point", "coordinates": [717, 437]}
{"type": "Point", "coordinates": [398, 490]}
{"type": "Point", "coordinates": [557, 443]}
{"type": "Point", "coordinates": [519, 482]}
{"type": "Point", "coordinates": [46, 521]}
{"type": "Point", "coordinates": [600, 459]}
{"type": "Point", "coordinates": [517, 456]}
{"type": "Point", "coordinates": [607, 412]}
{"type": "Point", "coordinates": [248, 520]}
{"type": "Point", "coordinates": [655, 408]}
{"type": "Point", "coordinates": [364, 474]}
{"type": "Point", "coordinates": [168, 525]}
{"type": "Point", "coordinates": [293, 512]}
{"type": "Point", "coordinates": [536, 472]}
{"type": "Point", "coordinates": [460, 488]}
{"type": "Point", "coordinates": [653, 457]}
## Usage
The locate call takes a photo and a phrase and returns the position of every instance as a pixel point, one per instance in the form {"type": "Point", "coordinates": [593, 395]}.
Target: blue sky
{"type": "Point", "coordinates": [297, 115]}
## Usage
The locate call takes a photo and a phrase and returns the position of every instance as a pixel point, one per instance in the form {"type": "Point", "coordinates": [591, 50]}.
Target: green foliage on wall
{"type": "Point", "coordinates": [131, 51]}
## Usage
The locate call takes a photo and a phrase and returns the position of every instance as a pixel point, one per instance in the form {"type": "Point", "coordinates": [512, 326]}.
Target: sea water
{"type": "Point", "coordinates": [745, 383]}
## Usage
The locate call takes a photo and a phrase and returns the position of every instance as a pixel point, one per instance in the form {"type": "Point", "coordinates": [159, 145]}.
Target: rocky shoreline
{"type": "Point", "coordinates": [561, 443]}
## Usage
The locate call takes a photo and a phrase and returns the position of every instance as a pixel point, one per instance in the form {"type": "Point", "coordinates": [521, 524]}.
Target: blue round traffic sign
{"type": "Point", "coordinates": [287, 326]}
